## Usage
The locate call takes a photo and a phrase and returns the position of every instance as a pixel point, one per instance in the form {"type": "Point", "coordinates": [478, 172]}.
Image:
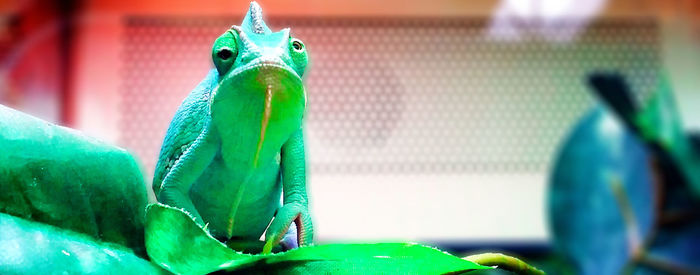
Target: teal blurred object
{"type": "Point", "coordinates": [57, 176]}
{"type": "Point", "coordinates": [652, 187]}
{"type": "Point", "coordinates": [658, 124]}
{"type": "Point", "coordinates": [600, 165]}
{"type": "Point", "coordinates": [675, 246]}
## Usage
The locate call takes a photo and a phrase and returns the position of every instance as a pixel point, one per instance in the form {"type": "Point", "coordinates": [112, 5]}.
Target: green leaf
{"type": "Point", "coordinates": [28, 247]}
{"type": "Point", "coordinates": [177, 243]}
{"type": "Point", "coordinates": [58, 176]}
{"type": "Point", "coordinates": [385, 258]}
{"type": "Point", "coordinates": [661, 123]}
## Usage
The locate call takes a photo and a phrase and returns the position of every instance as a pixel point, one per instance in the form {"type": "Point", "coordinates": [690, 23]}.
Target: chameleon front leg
{"type": "Point", "coordinates": [176, 184]}
{"type": "Point", "coordinates": [295, 205]}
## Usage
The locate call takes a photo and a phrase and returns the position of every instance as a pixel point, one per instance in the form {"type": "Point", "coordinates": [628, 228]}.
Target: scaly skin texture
{"type": "Point", "coordinates": [236, 144]}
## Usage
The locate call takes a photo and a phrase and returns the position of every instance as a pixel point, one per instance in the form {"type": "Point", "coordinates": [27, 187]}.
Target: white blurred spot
{"type": "Point", "coordinates": [109, 252]}
{"type": "Point", "coordinates": [555, 20]}
{"type": "Point", "coordinates": [611, 129]}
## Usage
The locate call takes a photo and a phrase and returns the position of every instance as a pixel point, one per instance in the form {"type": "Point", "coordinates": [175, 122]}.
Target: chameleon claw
{"type": "Point", "coordinates": [267, 249]}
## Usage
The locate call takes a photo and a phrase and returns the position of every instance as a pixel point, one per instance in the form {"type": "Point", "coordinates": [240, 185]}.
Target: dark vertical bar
{"type": "Point", "coordinates": [67, 13]}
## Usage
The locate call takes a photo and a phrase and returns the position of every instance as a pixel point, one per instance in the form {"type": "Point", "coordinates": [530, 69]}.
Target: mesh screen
{"type": "Point", "coordinates": [401, 95]}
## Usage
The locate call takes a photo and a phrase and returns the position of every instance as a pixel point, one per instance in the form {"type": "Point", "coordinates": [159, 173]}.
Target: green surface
{"type": "Point", "coordinates": [197, 252]}
{"type": "Point", "coordinates": [28, 247]}
{"type": "Point", "coordinates": [57, 176]}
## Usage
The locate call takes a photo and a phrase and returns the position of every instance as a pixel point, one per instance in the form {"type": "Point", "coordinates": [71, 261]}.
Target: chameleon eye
{"type": "Point", "coordinates": [224, 53]}
{"type": "Point", "coordinates": [299, 56]}
{"type": "Point", "coordinates": [297, 45]}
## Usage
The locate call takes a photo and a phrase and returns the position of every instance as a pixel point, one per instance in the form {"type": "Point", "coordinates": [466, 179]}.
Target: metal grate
{"type": "Point", "coordinates": [402, 95]}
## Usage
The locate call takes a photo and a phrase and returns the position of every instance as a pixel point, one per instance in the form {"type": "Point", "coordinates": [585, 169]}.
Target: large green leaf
{"type": "Point", "coordinates": [58, 176]}
{"type": "Point", "coordinates": [175, 242]}
{"type": "Point", "coordinates": [28, 247]}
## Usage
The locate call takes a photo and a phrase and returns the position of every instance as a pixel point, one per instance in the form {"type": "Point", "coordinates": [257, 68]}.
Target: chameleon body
{"type": "Point", "coordinates": [235, 145]}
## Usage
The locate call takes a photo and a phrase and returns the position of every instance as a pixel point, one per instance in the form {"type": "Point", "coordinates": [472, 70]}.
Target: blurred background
{"type": "Point", "coordinates": [433, 121]}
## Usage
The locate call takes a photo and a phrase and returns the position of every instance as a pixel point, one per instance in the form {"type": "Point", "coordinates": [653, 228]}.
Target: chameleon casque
{"type": "Point", "coordinates": [235, 146]}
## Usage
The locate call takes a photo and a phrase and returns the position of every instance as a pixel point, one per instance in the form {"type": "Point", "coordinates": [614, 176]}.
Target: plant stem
{"type": "Point", "coordinates": [504, 262]}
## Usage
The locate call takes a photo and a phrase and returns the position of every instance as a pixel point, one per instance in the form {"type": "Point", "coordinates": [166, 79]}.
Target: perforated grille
{"type": "Point", "coordinates": [400, 95]}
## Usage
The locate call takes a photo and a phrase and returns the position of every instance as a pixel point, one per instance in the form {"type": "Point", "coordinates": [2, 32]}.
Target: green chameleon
{"type": "Point", "coordinates": [236, 142]}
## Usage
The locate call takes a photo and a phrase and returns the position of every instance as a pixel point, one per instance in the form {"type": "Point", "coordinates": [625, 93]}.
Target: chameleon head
{"type": "Point", "coordinates": [260, 86]}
